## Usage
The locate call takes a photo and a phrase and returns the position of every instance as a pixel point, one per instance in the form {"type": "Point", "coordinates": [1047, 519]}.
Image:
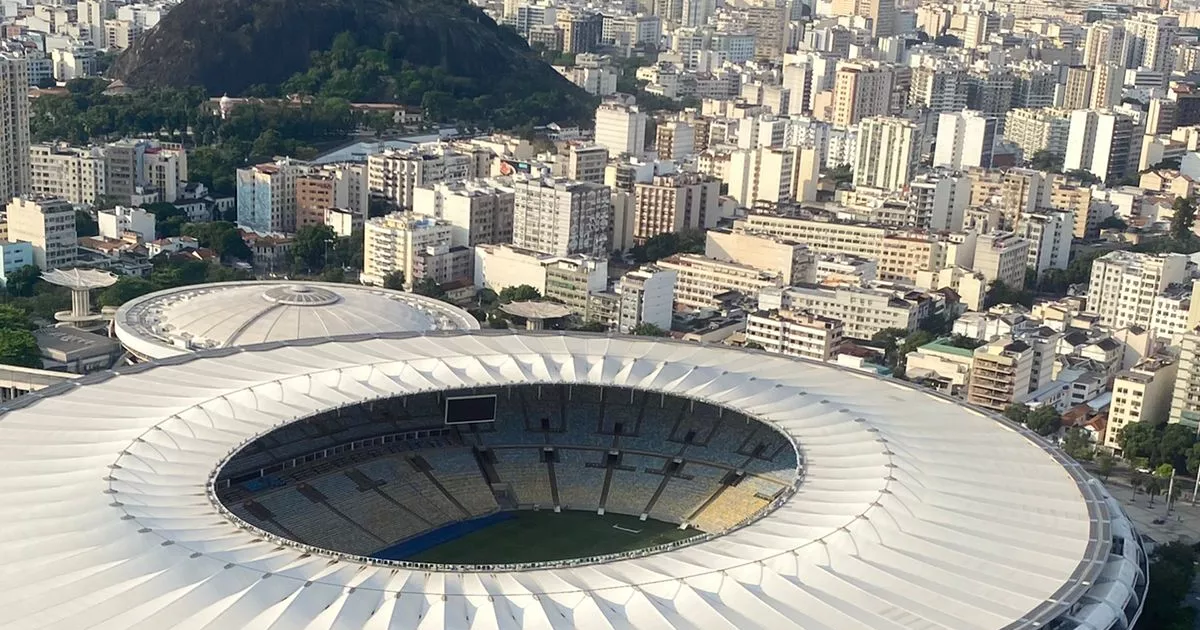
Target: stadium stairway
{"type": "Point", "coordinates": [666, 478]}
{"type": "Point", "coordinates": [608, 474]}
{"type": "Point", "coordinates": [553, 482]}
{"type": "Point", "coordinates": [423, 467]}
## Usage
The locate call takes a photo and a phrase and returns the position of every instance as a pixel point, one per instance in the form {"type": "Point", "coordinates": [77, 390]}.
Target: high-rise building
{"type": "Point", "coordinates": [1049, 234]}
{"type": "Point", "coordinates": [77, 175]}
{"type": "Point", "coordinates": [1124, 285]}
{"type": "Point", "coordinates": [1034, 130]}
{"type": "Point", "coordinates": [1108, 83]}
{"type": "Point", "coordinates": [266, 196]}
{"type": "Point", "coordinates": [1150, 38]}
{"type": "Point", "coordinates": [621, 127]}
{"type": "Point", "coordinates": [964, 139]}
{"type": "Point", "coordinates": [860, 90]}
{"type": "Point", "coordinates": [1102, 143]}
{"type": "Point", "coordinates": [673, 140]}
{"type": "Point", "coordinates": [938, 87]}
{"type": "Point", "coordinates": [671, 203]}
{"type": "Point", "coordinates": [116, 222]}
{"type": "Point", "coordinates": [882, 14]}
{"type": "Point", "coordinates": [1002, 256]}
{"type": "Point", "coordinates": [771, 174]}
{"type": "Point", "coordinates": [647, 297]}
{"type": "Point", "coordinates": [1076, 92]}
{"type": "Point", "coordinates": [477, 211]}
{"type": "Point", "coordinates": [795, 333]}
{"type": "Point", "coordinates": [888, 152]}
{"type": "Point", "coordinates": [1185, 396]}
{"type": "Point", "coordinates": [48, 224]}
{"type": "Point", "coordinates": [586, 162]}
{"type": "Point", "coordinates": [769, 23]}
{"type": "Point", "coordinates": [792, 261]}
{"type": "Point", "coordinates": [1105, 44]}
{"type": "Point", "coordinates": [561, 217]}
{"type": "Point", "coordinates": [393, 174]}
{"type": "Point", "coordinates": [415, 245]}
{"type": "Point", "coordinates": [862, 311]}
{"type": "Point", "coordinates": [14, 126]}
{"type": "Point", "coordinates": [701, 280]}
{"type": "Point", "coordinates": [1141, 394]}
{"type": "Point", "coordinates": [1000, 374]}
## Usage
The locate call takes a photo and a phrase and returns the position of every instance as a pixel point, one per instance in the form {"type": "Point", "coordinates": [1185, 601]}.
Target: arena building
{"type": "Point", "coordinates": [329, 484]}
{"type": "Point", "coordinates": [223, 314]}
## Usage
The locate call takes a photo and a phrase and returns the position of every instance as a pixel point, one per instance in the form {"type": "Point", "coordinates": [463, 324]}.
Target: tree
{"type": "Point", "coordinates": [1137, 481]}
{"type": "Point", "coordinates": [1000, 293]}
{"type": "Point", "coordinates": [394, 280]}
{"type": "Point", "coordinates": [22, 282]}
{"type": "Point", "coordinates": [85, 225]}
{"type": "Point", "coordinates": [592, 326]}
{"type": "Point", "coordinates": [1104, 464]}
{"type": "Point", "coordinates": [310, 247]}
{"type": "Point", "coordinates": [519, 293]}
{"type": "Point", "coordinates": [1153, 486]}
{"type": "Point", "coordinates": [1114, 223]}
{"type": "Point", "coordinates": [125, 289]}
{"type": "Point", "coordinates": [1086, 178]}
{"type": "Point", "coordinates": [1077, 444]}
{"type": "Point", "coordinates": [222, 237]}
{"type": "Point", "coordinates": [1172, 572]}
{"type": "Point", "coordinates": [1044, 420]}
{"type": "Point", "coordinates": [14, 318]}
{"type": "Point", "coordinates": [648, 330]}
{"type": "Point", "coordinates": [1017, 412]}
{"type": "Point", "coordinates": [19, 347]}
{"type": "Point", "coordinates": [841, 175]}
{"type": "Point", "coordinates": [668, 244]}
{"type": "Point", "coordinates": [1138, 440]}
{"type": "Point", "coordinates": [168, 218]}
{"type": "Point", "coordinates": [1185, 216]}
{"type": "Point", "coordinates": [429, 288]}
{"type": "Point", "coordinates": [1046, 161]}
{"type": "Point", "coordinates": [1174, 444]}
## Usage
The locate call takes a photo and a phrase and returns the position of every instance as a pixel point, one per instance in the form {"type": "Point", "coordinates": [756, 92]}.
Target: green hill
{"type": "Point", "coordinates": [444, 55]}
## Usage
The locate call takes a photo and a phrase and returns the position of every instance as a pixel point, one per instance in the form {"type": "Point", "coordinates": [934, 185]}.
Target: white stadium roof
{"type": "Point", "coordinates": [913, 512]}
{"type": "Point", "coordinates": [174, 321]}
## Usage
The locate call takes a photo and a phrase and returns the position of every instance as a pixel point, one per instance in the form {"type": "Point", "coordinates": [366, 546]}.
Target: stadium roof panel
{"type": "Point", "coordinates": [913, 512]}
{"type": "Point", "coordinates": [218, 315]}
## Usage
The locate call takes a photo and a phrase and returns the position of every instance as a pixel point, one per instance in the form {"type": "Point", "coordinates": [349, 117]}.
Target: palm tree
{"type": "Point", "coordinates": [1137, 481]}
{"type": "Point", "coordinates": [1154, 487]}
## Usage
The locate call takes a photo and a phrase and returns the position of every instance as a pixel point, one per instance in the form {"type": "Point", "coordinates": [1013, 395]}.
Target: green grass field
{"type": "Point", "coordinates": [543, 535]}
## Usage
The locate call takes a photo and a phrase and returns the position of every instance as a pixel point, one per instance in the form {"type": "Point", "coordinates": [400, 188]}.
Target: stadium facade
{"type": "Point", "coordinates": [223, 314]}
{"type": "Point", "coordinates": [909, 510]}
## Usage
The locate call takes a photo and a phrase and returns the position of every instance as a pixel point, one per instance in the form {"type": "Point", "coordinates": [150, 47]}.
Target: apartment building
{"type": "Point", "coordinates": [415, 245]}
{"type": "Point", "coordinates": [116, 222]}
{"type": "Point", "coordinates": [860, 90]}
{"type": "Point", "coordinates": [478, 211]}
{"type": "Point", "coordinates": [75, 174]}
{"type": "Point", "coordinates": [621, 126]}
{"type": "Point", "coordinates": [791, 260]}
{"type": "Point", "coordinates": [795, 333]}
{"type": "Point", "coordinates": [395, 173]}
{"type": "Point", "coordinates": [1002, 256]}
{"type": "Point", "coordinates": [1141, 394]}
{"type": "Point", "coordinates": [701, 281]}
{"type": "Point", "coordinates": [671, 203]}
{"type": "Point", "coordinates": [888, 153]}
{"type": "Point", "coordinates": [1185, 393]}
{"type": "Point", "coordinates": [1038, 129]}
{"type": "Point", "coordinates": [14, 126]}
{"type": "Point", "coordinates": [964, 138]}
{"type": "Point", "coordinates": [1000, 374]}
{"type": "Point", "coordinates": [862, 311]}
{"type": "Point", "coordinates": [1049, 233]}
{"type": "Point", "coordinates": [647, 296]}
{"type": "Point", "coordinates": [568, 279]}
{"type": "Point", "coordinates": [561, 217]}
{"type": "Point", "coordinates": [1124, 285]}
{"type": "Point", "coordinates": [48, 225]}
{"type": "Point", "coordinates": [266, 196]}
{"type": "Point", "coordinates": [822, 237]}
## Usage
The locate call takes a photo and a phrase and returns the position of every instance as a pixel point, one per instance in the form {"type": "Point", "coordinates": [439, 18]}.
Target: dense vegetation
{"type": "Point", "coordinates": [387, 73]}
{"type": "Point", "coordinates": [253, 133]}
{"type": "Point", "coordinates": [446, 55]}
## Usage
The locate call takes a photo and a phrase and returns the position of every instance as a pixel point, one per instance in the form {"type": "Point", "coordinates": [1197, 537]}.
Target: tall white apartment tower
{"type": "Point", "coordinates": [561, 217]}
{"type": "Point", "coordinates": [621, 127]}
{"type": "Point", "coordinates": [964, 139]}
{"type": "Point", "coordinates": [1150, 38]}
{"type": "Point", "coordinates": [14, 126]}
{"type": "Point", "coordinates": [1123, 285]}
{"type": "Point", "coordinates": [888, 150]}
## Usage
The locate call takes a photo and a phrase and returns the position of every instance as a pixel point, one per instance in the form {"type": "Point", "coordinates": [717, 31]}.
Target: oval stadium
{"type": "Point", "coordinates": [495, 480]}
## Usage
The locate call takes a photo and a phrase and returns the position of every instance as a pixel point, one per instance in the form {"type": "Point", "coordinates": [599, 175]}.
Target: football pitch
{"type": "Point", "coordinates": [537, 536]}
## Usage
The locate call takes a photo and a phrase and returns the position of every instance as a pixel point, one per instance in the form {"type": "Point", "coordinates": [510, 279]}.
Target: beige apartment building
{"type": "Point", "coordinates": [791, 260]}
{"type": "Point", "coordinates": [75, 174]}
{"type": "Point", "coordinates": [795, 333]}
{"type": "Point", "coordinates": [862, 311]}
{"type": "Point", "coordinates": [700, 280]}
{"type": "Point", "coordinates": [1141, 394]}
{"type": "Point", "coordinates": [1000, 374]}
{"type": "Point", "coordinates": [393, 174]}
{"type": "Point", "coordinates": [47, 223]}
{"type": "Point", "coordinates": [671, 203]}
{"type": "Point", "coordinates": [416, 245]}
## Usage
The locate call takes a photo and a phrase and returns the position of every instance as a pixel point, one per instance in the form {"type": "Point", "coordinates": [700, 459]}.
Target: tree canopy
{"type": "Point", "coordinates": [648, 330]}
{"type": "Point", "coordinates": [668, 244]}
{"type": "Point", "coordinates": [17, 344]}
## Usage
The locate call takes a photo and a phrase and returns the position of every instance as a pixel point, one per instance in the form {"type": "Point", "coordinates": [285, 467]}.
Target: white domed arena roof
{"type": "Point", "coordinates": [219, 315]}
{"type": "Point", "coordinates": [913, 511]}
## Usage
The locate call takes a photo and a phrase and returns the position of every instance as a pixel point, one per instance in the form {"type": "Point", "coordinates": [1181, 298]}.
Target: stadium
{"type": "Point", "coordinates": [551, 480]}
